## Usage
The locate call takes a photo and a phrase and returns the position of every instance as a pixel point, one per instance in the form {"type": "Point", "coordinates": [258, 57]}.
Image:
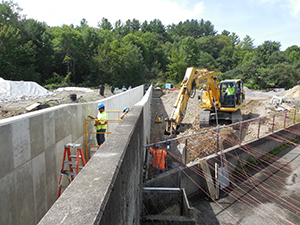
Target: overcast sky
{"type": "Point", "coordinates": [274, 20]}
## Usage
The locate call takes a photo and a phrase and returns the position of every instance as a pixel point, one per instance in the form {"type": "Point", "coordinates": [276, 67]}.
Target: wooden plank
{"type": "Point", "coordinates": [208, 178]}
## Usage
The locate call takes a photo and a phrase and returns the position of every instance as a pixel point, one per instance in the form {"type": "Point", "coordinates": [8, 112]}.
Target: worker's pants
{"type": "Point", "coordinates": [100, 137]}
{"type": "Point", "coordinates": [158, 171]}
{"type": "Point", "coordinates": [230, 97]}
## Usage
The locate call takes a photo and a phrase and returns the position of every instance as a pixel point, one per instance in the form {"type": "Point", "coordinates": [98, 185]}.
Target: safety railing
{"type": "Point", "coordinates": [90, 135]}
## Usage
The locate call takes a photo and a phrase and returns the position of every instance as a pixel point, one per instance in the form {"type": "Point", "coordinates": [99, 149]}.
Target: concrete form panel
{"type": "Point", "coordinates": [21, 142]}
{"type": "Point", "coordinates": [63, 120]}
{"type": "Point", "coordinates": [39, 185]}
{"type": "Point", "coordinates": [49, 129]}
{"type": "Point", "coordinates": [59, 153]}
{"type": "Point", "coordinates": [78, 127]}
{"type": "Point", "coordinates": [6, 153]}
{"type": "Point", "coordinates": [52, 179]}
{"type": "Point", "coordinates": [74, 117]}
{"type": "Point", "coordinates": [36, 129]}
{"type": "Point", "coordinates": [8, 198]}
{"type": "Point", "coordinates": [24, 193]}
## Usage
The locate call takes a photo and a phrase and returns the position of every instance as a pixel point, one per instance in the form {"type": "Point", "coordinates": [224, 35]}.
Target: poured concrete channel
{"type": "Point", "coordinates": [227, 210]}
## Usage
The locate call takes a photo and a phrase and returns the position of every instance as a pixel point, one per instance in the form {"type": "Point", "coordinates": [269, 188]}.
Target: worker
{"type": "Point", "coordinates": [124, 112]}
{"type": "Point", "coordinates": [101, 124]}
{"type": "Point", "coordinates": [230, 93]}
{"type": "Point", "coordinates": [159, 156]}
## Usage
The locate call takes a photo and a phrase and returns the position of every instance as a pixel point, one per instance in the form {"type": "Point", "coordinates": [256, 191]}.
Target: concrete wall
{"type": "Point", "coordinates": [31, 152]}
{"type": "Point", "coordinates": [108, 189]}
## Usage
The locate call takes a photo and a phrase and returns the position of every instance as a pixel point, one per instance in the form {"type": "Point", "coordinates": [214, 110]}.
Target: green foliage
{"type": "Point", "coordinates": [58, 81]}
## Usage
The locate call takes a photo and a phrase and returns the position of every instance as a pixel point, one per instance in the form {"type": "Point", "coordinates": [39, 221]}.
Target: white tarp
{"type": "Point", "coordinates": [21, 90]}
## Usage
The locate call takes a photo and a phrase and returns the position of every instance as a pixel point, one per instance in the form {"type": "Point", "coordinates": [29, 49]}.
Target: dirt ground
{"type": "Point", "coordinates": [256, 105]}
{"type": "Point", "coordinates": [14, 108]}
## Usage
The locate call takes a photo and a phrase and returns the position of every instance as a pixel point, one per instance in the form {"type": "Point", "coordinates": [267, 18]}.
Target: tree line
{"type": "Point", "coordinates": [132, 53]}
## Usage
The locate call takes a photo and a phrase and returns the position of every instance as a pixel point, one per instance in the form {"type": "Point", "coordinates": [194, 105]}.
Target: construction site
{"type": "Point", "coordinates": [241, 172]}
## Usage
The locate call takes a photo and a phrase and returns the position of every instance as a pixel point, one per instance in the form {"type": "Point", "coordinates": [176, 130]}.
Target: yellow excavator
{"type": "Point", "coordinates": [217, 102]}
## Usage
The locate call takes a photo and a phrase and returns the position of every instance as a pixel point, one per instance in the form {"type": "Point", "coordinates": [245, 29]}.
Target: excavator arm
{"type": "Point", "coordinates": [192, 78]}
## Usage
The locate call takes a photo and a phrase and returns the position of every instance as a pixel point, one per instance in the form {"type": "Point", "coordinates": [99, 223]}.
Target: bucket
{"type": "Point", "coordinates": [73, 97]}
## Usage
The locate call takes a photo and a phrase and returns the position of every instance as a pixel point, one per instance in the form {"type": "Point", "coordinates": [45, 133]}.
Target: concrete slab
{"type": "Point", "coordinates": [24, 194]}
{"type": "Point", "coordinates": [8, 200]}
{"type": "Point", "coordinates": [63, 120]}
{"type": "Point", "coordinates": [21, 142]}
{"type": "Point", "coordinates": [49, 129]}
{"type": "Point", "coordinates": [39, 185]}
{"type": "Point", "coordinates": [36, 127]}
{"type": "Point", "coordinates": [51, 177]}
{"type": "Point", "coordinates": [6, 155]}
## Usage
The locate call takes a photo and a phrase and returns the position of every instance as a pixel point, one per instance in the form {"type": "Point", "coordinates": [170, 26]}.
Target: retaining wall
{"type": "Point", "coordinates": [31, 154]}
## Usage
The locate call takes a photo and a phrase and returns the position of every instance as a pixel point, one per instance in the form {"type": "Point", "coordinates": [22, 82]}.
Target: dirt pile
{"type": "Point", "coordinates": [293, 93]}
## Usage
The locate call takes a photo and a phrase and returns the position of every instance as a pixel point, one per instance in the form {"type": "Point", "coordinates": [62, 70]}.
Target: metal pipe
{"type": "Point", "coordinates": [160, 189]}
{"type": "Point", "coordinates": [258, 129]}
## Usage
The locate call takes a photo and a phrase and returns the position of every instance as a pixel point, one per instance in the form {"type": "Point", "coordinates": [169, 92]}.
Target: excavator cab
{"type": "Point", "coordinates": [231, 93]}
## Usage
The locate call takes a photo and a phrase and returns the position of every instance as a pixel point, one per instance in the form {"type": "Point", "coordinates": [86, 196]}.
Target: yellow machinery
{"type": "Point", "coordinates": [214, 101]}
{"type": "Point", "coordinates": [159, 118]}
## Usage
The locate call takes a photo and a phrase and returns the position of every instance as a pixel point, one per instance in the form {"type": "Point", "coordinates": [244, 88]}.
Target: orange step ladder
{"type": "Point", "coordinates": [74, 166]}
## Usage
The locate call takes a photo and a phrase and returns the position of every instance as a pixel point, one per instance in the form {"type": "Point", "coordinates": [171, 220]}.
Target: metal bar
{"type": "Point", "coordinates": [86, 144]}
{"type": "Point", "coordinates": [160, 189]}
{"type": "Point", "coordinates": [258, 129]}
{"type": "Point", "coordinates": [185, 152]}
{"type": "Point", "coordinates": [273, 124]}
{"type": "Point", "coordinates": [284, 119]}
{"type": "Point", "coordinates": [240, 137]}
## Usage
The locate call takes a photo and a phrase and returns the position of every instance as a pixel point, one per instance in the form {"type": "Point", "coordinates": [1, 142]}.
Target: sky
{"type": "Point", "coordinates": [262, 20]}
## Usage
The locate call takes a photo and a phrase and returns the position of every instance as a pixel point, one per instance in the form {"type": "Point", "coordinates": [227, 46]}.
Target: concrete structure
{"type": "Point", "coordinates": [194, 184]}
{"type": "Point", "coordinates": [31, 152]}
{"type": "Point", "coordinates": [109, 188]}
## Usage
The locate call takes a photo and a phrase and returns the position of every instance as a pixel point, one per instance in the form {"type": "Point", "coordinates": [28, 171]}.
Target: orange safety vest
{"type": "Point", "coordinates": [159, 156]}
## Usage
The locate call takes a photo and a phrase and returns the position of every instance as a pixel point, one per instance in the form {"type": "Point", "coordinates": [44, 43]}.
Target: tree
{"type": "Point", "coordinates": [206, 61]}
{"type": "Point", "coordinates": [293, 53]}
{"type": "Point", "coordinates": [105, 24]}
{"type": "Point", "coordinates": [247, 43]}
{"type": "Point", "coordinates": [190, 51]}
{"type": "Point", "coordinates": [264, 51]}
{"type": "Point", "coordinates": [225, 32]}
{"type": "Point", "coordinates": [34, 31]}
{"type": "Point", "coordinates": [10, 13]}
{"type": "Point", "coordinates": [176, 68]}
{"type": "Point", "coordinates": [225, 60]}
{"type": "Point", "coordinates": [17, 58]}
{"type": "Point", "coordinates": [234, 39]}
{"type": "Point", "coordinates": [68, 44]}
